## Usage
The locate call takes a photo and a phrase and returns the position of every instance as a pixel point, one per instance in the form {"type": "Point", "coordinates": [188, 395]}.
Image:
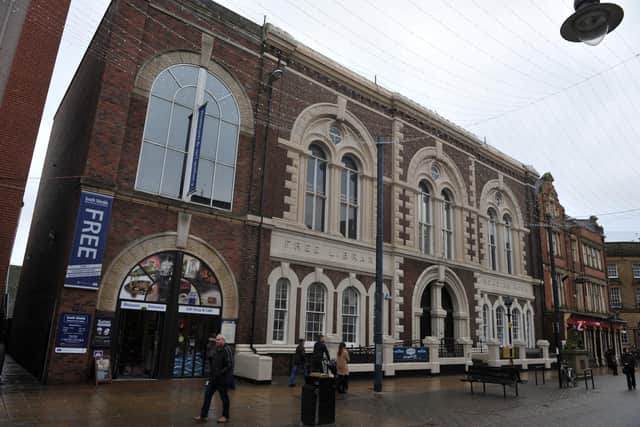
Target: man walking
{"type": "Point", "coordinates": [220, 379]}
{"type": "Point", "coordinates": [319, 352]}
{"type": "Point", "coordinates": [629, 368]}
{"type": "Point", "coordinates": [299, 363]}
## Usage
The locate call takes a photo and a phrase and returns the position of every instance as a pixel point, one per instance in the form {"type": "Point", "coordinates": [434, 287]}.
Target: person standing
{"type": "Point", "coordinates": [319, 351]}
{"type": "Point", "coordinates": [611, 361]}
{"type": "Point", "coordinates": [629, 368]}
{"type": "Point", "coordinates": [220, 379]}
{"type": "Point", "coordinates": [299, 363]}
{"type": "Point", "coordinates": [342, 367]}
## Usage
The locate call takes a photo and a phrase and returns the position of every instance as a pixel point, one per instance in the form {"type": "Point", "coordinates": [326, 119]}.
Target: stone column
{"type": "Point", "coordinates": [437, 313]}
{"type": "Point", "coordinates": [521, 345]}
{"type": "Point", "coordinates": [493, 352]}
{"type": "Point", "coordinates": [387, 359]}
{"type": "Point", "coordinates": [467, 345]}
{"type": "Point", "coordinates": [433, 344]}
{"type": "Point", "coordinates": [544, 345]}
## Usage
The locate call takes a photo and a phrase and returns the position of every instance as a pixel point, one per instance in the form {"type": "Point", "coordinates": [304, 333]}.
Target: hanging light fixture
{"type": "Point", "coordinates": [591, 22]}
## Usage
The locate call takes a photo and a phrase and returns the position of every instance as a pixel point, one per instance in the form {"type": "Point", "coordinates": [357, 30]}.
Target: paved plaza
{"type": "Point", "coordinates": [407, 401]}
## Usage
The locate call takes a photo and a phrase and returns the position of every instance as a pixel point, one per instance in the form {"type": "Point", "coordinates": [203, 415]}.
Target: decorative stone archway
{"type": "Point", "coordinates": [142, 248]}
{"type": "Point", "coordinates": [436, 278]}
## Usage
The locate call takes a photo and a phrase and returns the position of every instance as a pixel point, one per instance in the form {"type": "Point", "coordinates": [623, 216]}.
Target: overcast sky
{"type": "Point", "coordinates": [497, 68]}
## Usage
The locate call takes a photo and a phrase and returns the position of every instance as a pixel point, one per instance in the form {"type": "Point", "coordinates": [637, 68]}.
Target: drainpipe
{"type": "Point", "coordinates": [273, 76]}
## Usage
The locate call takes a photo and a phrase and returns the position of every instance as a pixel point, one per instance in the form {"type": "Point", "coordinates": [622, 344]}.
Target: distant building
{"type": "Point", "coordinates": [623, 268]}
{"type": "Point", "coordinates": [30, 32]}
{"type": "Point", "coordinates": [578, 246]}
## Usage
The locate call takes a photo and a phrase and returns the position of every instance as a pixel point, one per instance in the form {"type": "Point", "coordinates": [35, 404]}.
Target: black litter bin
{"type": "Point", "coordinates": [318, 400]}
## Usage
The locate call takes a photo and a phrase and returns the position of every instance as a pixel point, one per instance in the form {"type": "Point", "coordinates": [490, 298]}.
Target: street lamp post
{"type": "Point", "coordinates": [377, 380]}
{"type": "Point", "coordinates": [591, 22]}
{"type": "Point", "coordinates": [508, 301]}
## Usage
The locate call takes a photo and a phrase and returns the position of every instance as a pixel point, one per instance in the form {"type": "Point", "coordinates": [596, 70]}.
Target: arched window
{"type": "Point", "coordinates": [424, 218]}
{"type": "Point", "coordinates": [493, 260]}
{"type": "Point", "coordinates": [508, 250]}
{"type": "Point", "coordinates": [500, 325]}
{"type": "Point", "coordinates": [530, 332]}
{"type": "Point", "coordinates": [515, 319]}
{"type": "Point", "coordinates": [447, 224]}
{"type": "Point", "coordinates": [316, 312]}
{"type": "Point", "coordinates": [350, 313]}
{"type": "Point", "coordinates": [280, 312]}
{"type": "Point", "coordinates": [349, 198]}
{"type": "Point", "coordinates": [485, 323]}
{"type": "Point", "coordinates": [316, 189]}
{"type": "Point", "coordinates": [190, 138]}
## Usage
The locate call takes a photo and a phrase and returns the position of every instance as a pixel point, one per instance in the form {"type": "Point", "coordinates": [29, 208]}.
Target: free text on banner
{"type": "Point", "coordinates": [92, 225]}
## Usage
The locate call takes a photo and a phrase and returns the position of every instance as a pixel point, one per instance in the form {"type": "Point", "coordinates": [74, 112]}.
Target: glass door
{"type": "Point", "coordinates": [194, 330]}
{"type": "Point", "coordinates": [139, 343]}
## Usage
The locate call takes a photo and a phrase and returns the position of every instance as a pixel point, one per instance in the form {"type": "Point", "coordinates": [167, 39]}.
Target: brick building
{"type": "Point", "coordinates": [581, 276]}
{"type": "Point", "coordinates": [623, 268]}
{"type": "Point", "coordinates": [237, 170]}
{"type": "Point", "coordinates": [30, 32]}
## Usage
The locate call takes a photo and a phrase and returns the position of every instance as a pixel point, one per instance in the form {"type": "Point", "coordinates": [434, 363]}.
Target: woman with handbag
{"type": "Point", "coordinates": [342, 368]}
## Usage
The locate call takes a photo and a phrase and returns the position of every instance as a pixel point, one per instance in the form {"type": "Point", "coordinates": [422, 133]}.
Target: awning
{"type": "Point", "coordinates": [582, 322]}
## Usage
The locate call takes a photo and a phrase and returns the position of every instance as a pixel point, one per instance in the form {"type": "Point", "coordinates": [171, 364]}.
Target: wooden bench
{"type": "Point", "coordinates": [505, 376]}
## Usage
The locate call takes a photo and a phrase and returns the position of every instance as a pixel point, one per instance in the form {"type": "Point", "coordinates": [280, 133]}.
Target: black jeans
{"type": "Point", "coordinates": [208, 395]}
{"type": "Point", "coordinates": [631, 377]}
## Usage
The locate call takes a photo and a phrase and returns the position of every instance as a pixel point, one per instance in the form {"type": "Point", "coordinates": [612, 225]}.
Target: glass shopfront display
{"type": "Point", "coordinates": [169, 305]}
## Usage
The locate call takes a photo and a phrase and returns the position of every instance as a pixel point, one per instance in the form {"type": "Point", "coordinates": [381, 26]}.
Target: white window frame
{"type": "Point", "coordinates": [500, 324]}
{"type": "Point", "coordinates": [508, 249]}
{"type": "Point", "coordinates": [284, 311]}
{"type": "Point", "coordinates": [531, 343]}
{"type": "Point", "coordinates": [187, 171]}
{"type": "Point", "coordinates": [635, 268]}
{"type": "Point", "coordinates": [283, 272]}
{"type": "Point", "coordinates": [346, 200]}
{"type": "Point", "coordinates": [515, 322]}
{"type": "Point", "coordinates": [612, 271]}
{"type": "Point", "coordinates": [321, 314]}
{"type": "Point", "coordinates": [637, 295]}
{"type": "Point", "coordinates": [492, 240]}
{"type": "Point", "coordinates": [486, 321]}
{"type": "Point", "coordinates": [355, 317]}
{"type": "Point", "coordinates": [425, 219]}
{"type": "Point", "coordinates": [313, 191]}
{"type": "Point", "coordinates": [447, 225]}
{"type": "Point", "coordinates": [316, 276]}
{"type": "Point", "coordinates": [615, 300]}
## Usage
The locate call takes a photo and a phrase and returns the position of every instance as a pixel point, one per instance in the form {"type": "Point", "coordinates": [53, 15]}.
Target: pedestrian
{"type": "Point", "coordinates": [611, 361]}
{"type": "Point", "coordinates": [629, 368]}
{"type": "Point", "coordinates": [318, 355]}
{"type": "Point", "coordinates": [220, 380]}
{"type": "Point", "coordinates": [299, 363]}
{"type": "Point", "coordinates": [342, 366]}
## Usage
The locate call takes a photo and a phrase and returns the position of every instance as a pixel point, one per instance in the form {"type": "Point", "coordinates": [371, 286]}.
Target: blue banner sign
{"type": "Point", "coordinates": [410, 354]}
{"type": "Point", "coordinates": [92, 225]}
{"type": "Point", "coordinates": [196, 149]}
{"type": "Point", "coordinates": [73, 333]}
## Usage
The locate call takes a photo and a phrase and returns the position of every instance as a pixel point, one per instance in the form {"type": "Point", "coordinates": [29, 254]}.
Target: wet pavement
{"type": "Point", "coordinates": [406, 401]}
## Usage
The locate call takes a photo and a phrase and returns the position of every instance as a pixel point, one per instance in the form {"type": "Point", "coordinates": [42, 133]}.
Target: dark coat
{"type": "Point", "coordinates": [300, 358]}
{"type": "Point", "coordinates": [319, 351]}
{"type": "Point", "coordinates": [221, 366]}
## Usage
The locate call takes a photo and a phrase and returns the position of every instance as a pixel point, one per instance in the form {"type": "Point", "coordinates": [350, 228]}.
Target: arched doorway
{"type": "Point", "coordinates": [428, 319]}
{"type": "Point", "coordinates": [425, 319]}
{"type": "Point", "coordinates": [169, 304]}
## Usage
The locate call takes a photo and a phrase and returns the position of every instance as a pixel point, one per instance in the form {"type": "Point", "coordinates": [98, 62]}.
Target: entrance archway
{"type": "Point", "coordinates": [429, 313]}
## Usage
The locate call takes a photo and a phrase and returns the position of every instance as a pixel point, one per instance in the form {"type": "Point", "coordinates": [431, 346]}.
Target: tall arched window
{"type": "Point", "coordinates": [530, 332]}
{"type": "Point", "coordinates": [500, 325]}
{"type": "Point", "coordinates": [485, 323]}
{"type": "Point", "coordinates": [508, 250]}
{"type": "Point", "coordinates": [492, 240]}
{"type": "Point", "coordinates": [316, 195]}
{"type": "Point", "coordinates": [447, 224]}
{"type": "Point", "coordinates": [280, 312]}
{"type": "Point", "coordinates": [349, 198]}
{"type": "Point", "coordinates": [424, 218]}
{"type": "Point", "coordinates": [190, 138]}
{"type": "Point", "coordinates": [350, 313]}
{"type": "Point", "coordinates": [316, 312]}
{"type": "Point", "coordinates": [515, 319]}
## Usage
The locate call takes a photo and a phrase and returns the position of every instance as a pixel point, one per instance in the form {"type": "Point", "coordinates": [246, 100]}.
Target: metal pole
{"type": "Point", "coordinates": [377, 381]}
{"type": "Point", "coordinates": [556, 296]}
{"type": "Point", "coordinates": [510, 341]}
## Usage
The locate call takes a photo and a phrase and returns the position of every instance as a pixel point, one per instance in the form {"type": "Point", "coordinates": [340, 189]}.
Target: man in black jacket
{"type": "Point", "coordinates": [629, 368]}
{"type": "Point", "coordinates": [299, 362]}
{"type": "Point", "coordinates": [319, 352]}
{"type": "Point", "coordinates": [220, 379]}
